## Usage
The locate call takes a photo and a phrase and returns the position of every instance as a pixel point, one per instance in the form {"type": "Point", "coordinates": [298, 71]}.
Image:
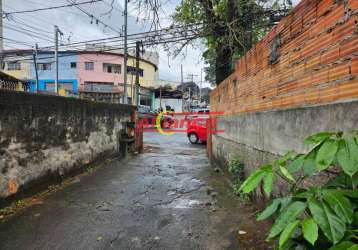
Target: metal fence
{"type": "Point", "coordinates": [14, 85]}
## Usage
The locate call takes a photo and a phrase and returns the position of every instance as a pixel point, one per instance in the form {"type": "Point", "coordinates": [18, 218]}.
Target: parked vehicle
{"type": "Point", "coordinates": [197, 129]}
{"type": "Point", "coordinates": [197, 113]}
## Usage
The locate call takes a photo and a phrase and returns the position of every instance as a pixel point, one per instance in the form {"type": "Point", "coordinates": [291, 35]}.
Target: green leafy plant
{"type": "Point", "coordinates": [236, 169]}
{"type": "Point", "coordinates": [236, 187]}
{"type": "Point", "coordinates": [236, 166]}
{"type": "Point", "coordinates": [313, 216]}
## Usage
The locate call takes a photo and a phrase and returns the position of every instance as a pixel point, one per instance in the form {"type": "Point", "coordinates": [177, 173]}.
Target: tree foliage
{"type": "Point", "coordinates": [229, 28]}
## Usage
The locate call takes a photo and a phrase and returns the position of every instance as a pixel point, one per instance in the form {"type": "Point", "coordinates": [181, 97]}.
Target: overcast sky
{"type": "Point", "coordinates": [77, 26]}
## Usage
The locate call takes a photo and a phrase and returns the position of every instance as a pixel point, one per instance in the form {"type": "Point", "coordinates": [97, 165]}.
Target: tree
{"type": "Point", "coordinates": [228, 28]}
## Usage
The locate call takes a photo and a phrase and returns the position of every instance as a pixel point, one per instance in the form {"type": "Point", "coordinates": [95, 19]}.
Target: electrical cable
{"type": "Point", "coordinates": [51, 8]}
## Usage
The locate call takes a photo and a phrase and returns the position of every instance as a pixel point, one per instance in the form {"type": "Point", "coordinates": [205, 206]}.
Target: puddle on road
{"type": "Point", "coordinates": [182, 203]}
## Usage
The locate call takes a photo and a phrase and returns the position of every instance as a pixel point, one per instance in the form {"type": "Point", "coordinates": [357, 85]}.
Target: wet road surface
{"type": "Point", "coordinates": [167, 198]}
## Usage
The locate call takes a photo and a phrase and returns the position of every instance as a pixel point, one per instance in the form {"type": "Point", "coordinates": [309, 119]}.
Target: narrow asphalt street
{"type": "Point", "coordinates": [167, 198]}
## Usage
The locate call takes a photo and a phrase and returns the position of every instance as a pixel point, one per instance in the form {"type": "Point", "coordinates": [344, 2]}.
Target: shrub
{"type": "Point", "coordinates": [316, 217]}
{"type": "Point", "coordinates": [236, 166]}
{"type": "Point", "coordinates": [236, 169]}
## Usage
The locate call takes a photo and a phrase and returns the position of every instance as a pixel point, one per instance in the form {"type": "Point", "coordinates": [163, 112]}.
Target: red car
{"type": "Point", "coordinates": [197, 129]}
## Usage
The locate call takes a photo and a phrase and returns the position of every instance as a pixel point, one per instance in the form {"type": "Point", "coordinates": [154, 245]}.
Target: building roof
{"type": "Point", "coordinates": [20, 52]}
{"type": "Point", "coordinates": [168, 93]}
{"type": "Point", "coordinates": [6, 77]}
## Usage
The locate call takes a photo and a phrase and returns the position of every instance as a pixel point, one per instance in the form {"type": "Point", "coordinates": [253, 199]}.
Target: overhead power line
{"type": "Point", "coordinates": [28, 33]}
{"type": "Point", "coordinates": [146, 35]}
{"type": "Point", "coordinates": [136, 36]}
{"type": "Point", "coordinates": [51, 8]}
{"type": "Point", "coordinates": [166, 35]}
{"type": "Point", "coordinates": [130, 45]}
{"type": "Point", "coordinates": [16, 41]}
{"type": "Point", "coordinates": [30, 26]}
{"type": "Point", "coordinates": [27, 30]}
{"type": "Point", "coordinates": [98, 20]}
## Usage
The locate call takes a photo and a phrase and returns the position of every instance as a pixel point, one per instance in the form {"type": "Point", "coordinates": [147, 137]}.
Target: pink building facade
{"type": "Point", "coordinates": [100, 72]}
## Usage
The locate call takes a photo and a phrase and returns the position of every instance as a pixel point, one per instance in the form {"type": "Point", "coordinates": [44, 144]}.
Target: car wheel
{"type": "Point", "coordinates": [193, 138]}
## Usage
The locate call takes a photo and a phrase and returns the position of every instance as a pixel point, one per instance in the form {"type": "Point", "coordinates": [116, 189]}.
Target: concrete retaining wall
{"type": "Point", "coordinates": [259, 138]}
{"type": "Point", "coordinates": [300, 79]}
{"type": "Point", "coordinates": [43, 136]}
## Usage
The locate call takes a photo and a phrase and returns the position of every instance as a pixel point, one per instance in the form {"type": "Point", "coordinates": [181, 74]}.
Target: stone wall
{"type": "Point", "coordinates": [302, 78]}
{"type": "Point", "coordinates": [44, 136]}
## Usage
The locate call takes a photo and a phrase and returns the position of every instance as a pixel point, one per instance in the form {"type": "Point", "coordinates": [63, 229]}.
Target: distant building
{"type": "Point", "coordinates": [90, 74]}
{"type": "Point", "coordinates": [100, 76]}
{"type": "Point", "coordinates": [9, 82]}
{"type": "Point", "coordinates": [148, 69]}
{"type": "Point", "coordinates": [166, 83]}
{"type": "Point", "coordinates": [168, 100]}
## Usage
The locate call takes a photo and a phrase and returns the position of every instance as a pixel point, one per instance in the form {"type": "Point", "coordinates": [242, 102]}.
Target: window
{"type": "Point", "coordinates": [13, 66]}
{"type": "Point", "coordinates": [100, 87]}
{"type": "Point", "coordinates": [73, 65]}
{"type": "Point", "coordinates": [132, 71]}
{"type": "Point", "coordinates": [112, 68]}
{"type": "Point", "coordinates": [107, 68]}
{"type": "Point", "coordinates": [89, 65]}
{"type": "Point", "coordinates": [44, 66]}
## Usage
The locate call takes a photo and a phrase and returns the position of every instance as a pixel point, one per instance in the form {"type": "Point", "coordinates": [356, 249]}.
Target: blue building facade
{"type": "Point", "coordinates": [47, 73]}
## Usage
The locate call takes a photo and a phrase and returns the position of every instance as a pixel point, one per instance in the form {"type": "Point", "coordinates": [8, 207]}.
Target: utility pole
{"type": "Point", "coordinates": [189, 99]}
{"type": "Point", "coordinates": [137, 84]}
{"type": "Point", "coordinates": [57, 31]}
{"type": "Point", "coordinates": [1, 38]}
{"type": "Point", "coordinates": [35, 65]}
{"type": "Point", "coordinates": [181, 75]}
{"type": "Point", "coordinates": [160, 98]}
{"type": "Point", "coordinates": [125, 96]}
{"type": "Point", "coordinates": [201, 83]}
{"type": "Point", "coordinates": [191, 77]}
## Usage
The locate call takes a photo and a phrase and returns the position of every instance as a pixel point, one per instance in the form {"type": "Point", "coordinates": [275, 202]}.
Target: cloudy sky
{"type": "Point", "coordinates": [37, 27]}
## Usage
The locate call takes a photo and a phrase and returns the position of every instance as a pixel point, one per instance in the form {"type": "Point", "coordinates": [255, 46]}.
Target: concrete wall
{"type": "Point", "coordinates": [42, 136]}
{"type": "Point", "coordinates": [271, 134]}
{"type": "Point", "coordinates": [312, 86]}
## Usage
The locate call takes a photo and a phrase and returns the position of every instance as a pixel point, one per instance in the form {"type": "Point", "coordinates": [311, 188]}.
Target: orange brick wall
{"type": "Point", "coordinates": [318, 62]}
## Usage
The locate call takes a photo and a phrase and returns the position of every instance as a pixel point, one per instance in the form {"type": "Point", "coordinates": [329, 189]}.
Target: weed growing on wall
{"type": "Point", "coordinates": [236, 169]}
{"type": "Point", "coordinates": [315, 217]}
{"type": "Point", "coordinates": [236, 166]}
